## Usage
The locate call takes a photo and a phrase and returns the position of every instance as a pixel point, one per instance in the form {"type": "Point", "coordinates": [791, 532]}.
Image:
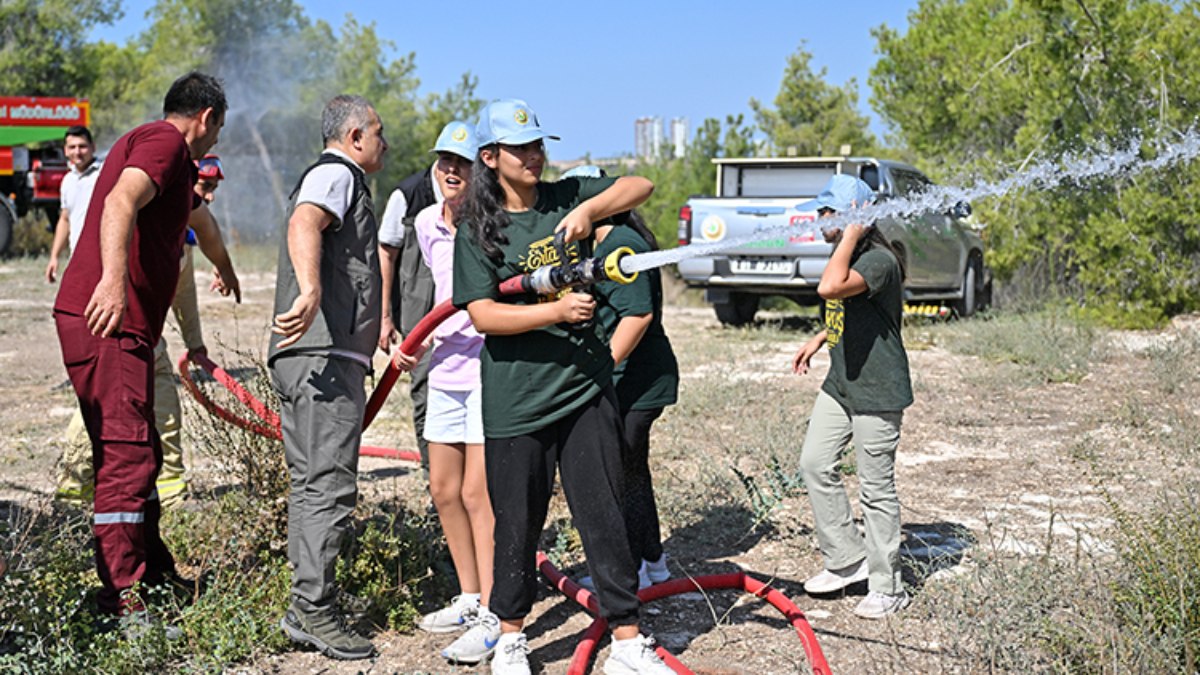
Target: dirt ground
{"type": "Point", "coordinates": [988, 460]}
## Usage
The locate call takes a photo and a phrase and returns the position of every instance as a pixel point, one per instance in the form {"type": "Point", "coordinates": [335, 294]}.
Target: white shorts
{"type": "Point", "coordinates": [454, 417]}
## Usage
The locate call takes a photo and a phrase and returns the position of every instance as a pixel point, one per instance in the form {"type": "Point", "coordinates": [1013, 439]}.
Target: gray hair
{"type": "Point", "coordinates": [342, 114]}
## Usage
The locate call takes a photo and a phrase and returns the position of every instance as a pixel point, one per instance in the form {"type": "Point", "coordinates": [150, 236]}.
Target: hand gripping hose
{"type": "Point", "coordinates": [539, 282]}
{"type": "Point", "coordinates": [586, 648]}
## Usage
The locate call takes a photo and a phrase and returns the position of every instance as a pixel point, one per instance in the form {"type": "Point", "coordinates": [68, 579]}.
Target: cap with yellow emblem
{"type": "Point", "coordinates": [458, 138]}
{"type": "Point", "coordinates": [509, 121]}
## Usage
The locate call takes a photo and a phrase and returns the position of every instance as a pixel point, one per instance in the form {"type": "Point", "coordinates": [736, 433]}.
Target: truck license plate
{"type": "Point", "coordinates": [777, 267]}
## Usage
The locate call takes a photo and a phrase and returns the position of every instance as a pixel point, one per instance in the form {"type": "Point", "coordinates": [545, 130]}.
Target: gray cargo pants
{"type": "Point", "coordinates": [321, 409]}
{"type": "Point", "coordinates": [875, 437]}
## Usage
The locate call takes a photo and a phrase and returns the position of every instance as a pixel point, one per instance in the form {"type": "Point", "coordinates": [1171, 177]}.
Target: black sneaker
{"type": "Point", "coordinates": [327, 631]}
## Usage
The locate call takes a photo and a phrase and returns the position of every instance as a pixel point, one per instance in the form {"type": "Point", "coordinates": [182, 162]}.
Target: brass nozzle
{"type": "Point", "coordinates": [612, 266]}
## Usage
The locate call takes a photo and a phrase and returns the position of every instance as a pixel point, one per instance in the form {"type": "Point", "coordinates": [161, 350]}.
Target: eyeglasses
{"type": "Point", "coordinates": [210, 167]}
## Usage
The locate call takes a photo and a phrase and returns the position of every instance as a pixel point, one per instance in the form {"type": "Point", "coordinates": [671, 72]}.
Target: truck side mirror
{"type": "Point", "coordinates": [960, 210]}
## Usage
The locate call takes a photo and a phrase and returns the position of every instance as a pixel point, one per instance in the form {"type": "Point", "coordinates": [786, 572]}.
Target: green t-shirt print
{"type": "Point", "coordinates": [868, 369]}
{"type": "Point", "coordinates": [533, 379]}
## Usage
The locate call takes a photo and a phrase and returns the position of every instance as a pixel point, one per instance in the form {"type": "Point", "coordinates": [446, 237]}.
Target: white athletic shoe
{"type": "Point", "coordinates": [452, 617]}
{"type": "Point", "coordinates": [832, 581]}
{"type": "Point", "coordinates": [478, 642]}
{"type": "Point", "coordinates": [512, 655]}
{"type": "Point", "coordinates": [635, 657]}
{"type": "Point", "coordinates": [879, 605]}
{"type": "Point", "coordinates": [653, 572]}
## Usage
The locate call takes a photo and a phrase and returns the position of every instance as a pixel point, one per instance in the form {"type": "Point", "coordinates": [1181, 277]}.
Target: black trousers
{"type": "Point", "coordinates": [641, 512]}
{"type": "Point", "coordinates": [586, 448]}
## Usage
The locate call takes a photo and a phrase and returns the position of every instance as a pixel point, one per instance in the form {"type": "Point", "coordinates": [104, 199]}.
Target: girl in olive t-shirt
{"type": "Point", "coordinates": [862, 401]}
{"type": "Point", "coordinates": [646, 378]}
{"type": "Point", "coordinates": [548, 401]}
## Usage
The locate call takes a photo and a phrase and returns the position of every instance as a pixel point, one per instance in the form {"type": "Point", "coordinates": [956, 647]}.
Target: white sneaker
{"type": "Point", "coordinates": [636, 656]}
{"type": "Point", "coordinates": [452, 617]}
{"type": "Point", "coordinates": [653, 571]}
{"type": "Point", "coordinates": [478, 642]}
{"type": "Point", "coordinates": [879, 605]}
{"type": "Point", "coordinates": [512, 655]}
{"type": "Point", "coordinates": [831, 581]}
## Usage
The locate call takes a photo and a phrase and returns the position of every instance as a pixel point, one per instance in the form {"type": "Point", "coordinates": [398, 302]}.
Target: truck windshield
{"type": "Point", "coordinates": [765, 180]}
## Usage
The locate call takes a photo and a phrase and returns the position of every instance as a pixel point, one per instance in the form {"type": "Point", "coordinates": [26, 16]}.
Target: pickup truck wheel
{"type": "Point", "coordinates": [6, 228]}
{"type": "Point", "coordinates": [969, 303]}
{"type": "Point", "coordinates": [739, 311]}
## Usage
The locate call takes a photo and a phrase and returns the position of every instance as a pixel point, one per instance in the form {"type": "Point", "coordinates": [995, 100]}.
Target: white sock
{"type": "Point", "coordinates": [473, 598]}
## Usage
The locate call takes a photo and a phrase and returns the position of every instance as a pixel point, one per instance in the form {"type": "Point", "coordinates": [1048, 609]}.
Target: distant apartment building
{"type": "Point", "coordinates": [679, 136]}
{"type": "Point", "coordinates": [648, 137]}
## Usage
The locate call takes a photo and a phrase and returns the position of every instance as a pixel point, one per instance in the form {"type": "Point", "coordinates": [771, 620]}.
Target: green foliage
{"type": "Point", "coordinates": [812, 117]}
{"type": "Point", "coordinates": [389, 562]}
{"type": "Point", "coordinates": [43, 47]}
{"type": "Point", "coordinates": [985, 87]}
{"type": "Point", "coordinates": [1160, 588]}
{"type": "Point", "coordinates": [1051, 345]}
{"type": "Point", "coordinates": [567, 546]}
{"type": "Point", "coordinates": [770, 489]}
{"type": "Point", "coordinates": [45, 598]}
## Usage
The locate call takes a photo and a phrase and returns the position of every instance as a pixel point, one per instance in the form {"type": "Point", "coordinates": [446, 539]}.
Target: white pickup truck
{"type": "Point", "coordinates": [945, 259]}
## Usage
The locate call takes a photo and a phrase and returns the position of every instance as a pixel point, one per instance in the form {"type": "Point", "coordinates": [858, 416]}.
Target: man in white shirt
{"type": "Point", "coordinates": [75, 193]}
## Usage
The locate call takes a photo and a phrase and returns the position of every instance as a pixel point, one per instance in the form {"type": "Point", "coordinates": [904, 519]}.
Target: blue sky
{"type": "Point", "coordinates": [590, 69]}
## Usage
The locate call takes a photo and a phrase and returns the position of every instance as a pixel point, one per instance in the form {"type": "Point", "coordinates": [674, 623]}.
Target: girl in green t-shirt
{"type": "Point", "coordinates": [862, 401]}
{"type": "Point", "coordinates": [646, 378]}
{"type": "Point", "coordinates": [548, 400]}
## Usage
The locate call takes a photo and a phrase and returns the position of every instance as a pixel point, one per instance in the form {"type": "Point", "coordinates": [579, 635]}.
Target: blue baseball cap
{"type": "Point", "coordinates": [458, 138]}
{"type": "Point", "coordinates": [841, 193]}
{"type": "Point", "coordinates": [584, 171]}
{"type": "Point", "coordinates": [509, 121]}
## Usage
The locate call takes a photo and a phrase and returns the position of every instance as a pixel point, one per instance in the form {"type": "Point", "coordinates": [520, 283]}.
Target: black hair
{"type": "Point", "coordinates": [875, 239]}
{"type": "Point", "coordinates": [635, 222]}
{"type": "Point", "coordinates": [81, 131]}
{"type": "Point", "coordinates": [484, 207]}
{"type": "Point", "coordinates": [193, 93]}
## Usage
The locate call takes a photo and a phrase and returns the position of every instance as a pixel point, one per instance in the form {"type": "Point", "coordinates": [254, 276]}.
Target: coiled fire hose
{"type": "Point", "coordinates": [739, 580]}
{"type": "Point", "coordinates": [543, 280]}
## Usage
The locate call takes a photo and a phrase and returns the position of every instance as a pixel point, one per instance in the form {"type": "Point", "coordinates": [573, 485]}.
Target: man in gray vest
{"type": "Point", "coordinates": [327, 321]}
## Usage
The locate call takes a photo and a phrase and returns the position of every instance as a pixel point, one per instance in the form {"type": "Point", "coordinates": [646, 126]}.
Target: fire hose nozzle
{"type": "Point", "coordinates": [612, 266]}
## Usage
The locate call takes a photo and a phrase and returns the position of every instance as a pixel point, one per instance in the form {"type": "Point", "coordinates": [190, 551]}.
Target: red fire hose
{"type": "Point", "coordinates": [586, 648]}
{"type": "Point", "coordinates": [267, 424]}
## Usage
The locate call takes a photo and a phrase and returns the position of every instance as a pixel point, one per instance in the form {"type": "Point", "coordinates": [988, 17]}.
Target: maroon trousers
{"type": "Point", "coordinates": [114, 380]}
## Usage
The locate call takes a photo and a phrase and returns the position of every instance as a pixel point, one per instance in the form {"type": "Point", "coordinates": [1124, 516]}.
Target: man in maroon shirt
{"type": "Point", "coordinates": [110, 311]}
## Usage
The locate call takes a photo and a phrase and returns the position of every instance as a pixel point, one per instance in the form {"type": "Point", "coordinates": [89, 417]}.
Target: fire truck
{"type": "Point", "coordinates": [32, 164]}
